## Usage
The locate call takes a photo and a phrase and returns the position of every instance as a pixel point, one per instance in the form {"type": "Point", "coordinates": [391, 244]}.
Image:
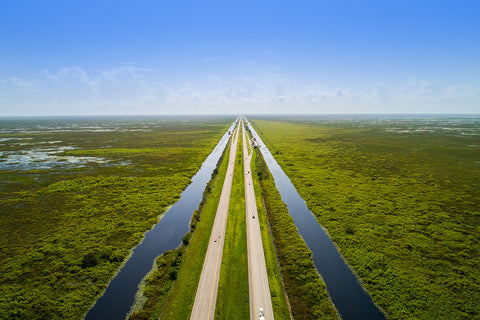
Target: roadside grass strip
{"type": "Point", "coordinates": [233, 298]}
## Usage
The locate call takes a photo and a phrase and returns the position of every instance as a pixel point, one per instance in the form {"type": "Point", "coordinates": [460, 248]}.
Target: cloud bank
{"type": "Point", "coordinates": [131, 90]}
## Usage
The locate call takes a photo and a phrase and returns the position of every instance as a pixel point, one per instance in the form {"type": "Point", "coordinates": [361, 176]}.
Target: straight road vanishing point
{"type": "Point", "coordinates": [259, 290]}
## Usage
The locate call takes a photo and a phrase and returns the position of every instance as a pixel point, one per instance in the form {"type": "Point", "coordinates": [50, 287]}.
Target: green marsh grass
{"type": "Point", "coordinates": [67, 229]}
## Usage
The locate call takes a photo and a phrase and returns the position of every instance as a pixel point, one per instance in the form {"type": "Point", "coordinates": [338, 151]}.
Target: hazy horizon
{"type": "Point", "coordinates": [309, 57]}
{"type": "Point", "coordinates": [254, 115]}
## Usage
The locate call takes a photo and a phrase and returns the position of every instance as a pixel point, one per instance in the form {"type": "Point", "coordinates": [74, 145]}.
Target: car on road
{"type": "Point", "coordinates": [215, 240]}
{"type": "Point", "coordinates": [262, 316]}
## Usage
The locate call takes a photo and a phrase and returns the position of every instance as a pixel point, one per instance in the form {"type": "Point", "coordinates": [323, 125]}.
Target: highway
{"type": "Point", "coordinates": [206, 296]}
{"type": "Point", "coordinates": [257, 270]}
{"type": "Point", "coordinates": [259, 290]}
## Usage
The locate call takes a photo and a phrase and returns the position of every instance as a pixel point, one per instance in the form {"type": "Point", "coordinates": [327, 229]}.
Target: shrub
{"type": "Point", "coordinates": [91, 259]}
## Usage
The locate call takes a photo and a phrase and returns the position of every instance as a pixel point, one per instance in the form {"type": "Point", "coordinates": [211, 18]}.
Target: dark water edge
{"type": "Point", "coordinates": [119, 296]}
{"type": "Point", "coordinates": [344, 288]}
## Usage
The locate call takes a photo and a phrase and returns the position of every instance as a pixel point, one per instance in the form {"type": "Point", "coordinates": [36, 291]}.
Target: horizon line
{"type": "Point", "coordinates": [232, 114]}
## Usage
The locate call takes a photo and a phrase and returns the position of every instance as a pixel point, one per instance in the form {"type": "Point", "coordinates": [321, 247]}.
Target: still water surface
{"type": "Point", "coordinates": [349, 297]}
{"type": "Point", "coordinates": [119, 296]}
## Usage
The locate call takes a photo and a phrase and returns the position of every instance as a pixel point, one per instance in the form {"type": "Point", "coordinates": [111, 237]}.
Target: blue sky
{"type": "Point", "coordinates": [170, 57]}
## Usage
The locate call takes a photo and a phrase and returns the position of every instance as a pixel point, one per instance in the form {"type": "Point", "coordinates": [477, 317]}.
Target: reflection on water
{"type": "Point", "coordinates": [30, 143]}
{"type": "Point", "coordinates": [44, 158]}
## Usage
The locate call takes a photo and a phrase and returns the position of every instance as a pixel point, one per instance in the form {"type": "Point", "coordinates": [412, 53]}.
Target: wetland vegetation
{"type": "Point", "coordinates": [400, 198]}
{"type": "Point", "coordinates": [78, 194]}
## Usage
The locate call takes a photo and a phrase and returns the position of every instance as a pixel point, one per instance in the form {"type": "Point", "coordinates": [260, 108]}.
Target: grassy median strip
{"type": "Point", "coordinates": [233, 298]}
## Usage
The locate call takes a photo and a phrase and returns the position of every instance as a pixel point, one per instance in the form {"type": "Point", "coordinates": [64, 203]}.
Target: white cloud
{"type": "Point", "coordinates": [16, 84]}
{"type": "Point", "coordinates": [461, 92]}
{"type": "Point", "coordinates": [129, 90]}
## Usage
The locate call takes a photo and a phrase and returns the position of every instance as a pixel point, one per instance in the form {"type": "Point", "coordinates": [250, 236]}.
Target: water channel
{"type": "Point", "coordinates": [119, 296]}
{"type": "Point", "coordinates": [345, 290]}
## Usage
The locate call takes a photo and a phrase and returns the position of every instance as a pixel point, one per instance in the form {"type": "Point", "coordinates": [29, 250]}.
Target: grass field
{"type": "Point", "coordinates": [233, 298]}
{"type": "Point", "coordinates": [400, 198]}
{"type": "Point", "coordinates": [78, 194]}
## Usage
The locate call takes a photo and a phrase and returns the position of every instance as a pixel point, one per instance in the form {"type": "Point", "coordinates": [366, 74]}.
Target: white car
{"type": "Point", "coordinates": [262, 316]}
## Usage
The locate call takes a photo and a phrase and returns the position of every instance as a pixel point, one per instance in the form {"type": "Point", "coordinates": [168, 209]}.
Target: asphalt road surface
{"type": "Point", "coordinates": [206, 296]}
{"type": "Point", "coordinates": [257, 270]}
